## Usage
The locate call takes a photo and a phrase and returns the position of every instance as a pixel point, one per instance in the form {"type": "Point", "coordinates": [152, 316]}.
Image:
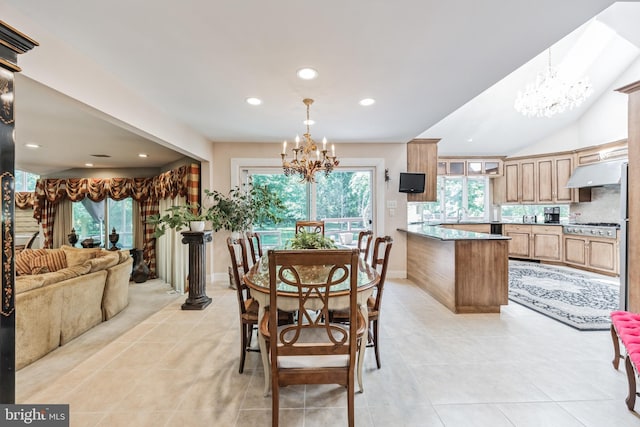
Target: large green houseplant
{"type": "Point", "coordinates": [235, 211]}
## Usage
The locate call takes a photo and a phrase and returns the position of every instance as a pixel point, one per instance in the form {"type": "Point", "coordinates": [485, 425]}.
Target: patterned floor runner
{"type": "Point", "coordinates": [581, 300]}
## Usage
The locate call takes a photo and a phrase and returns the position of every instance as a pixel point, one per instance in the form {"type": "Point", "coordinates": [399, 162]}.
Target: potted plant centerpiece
{"type": "Point", "coordinates": [307, 240]}
{"type": "Point", "coordinates": [235, 211]}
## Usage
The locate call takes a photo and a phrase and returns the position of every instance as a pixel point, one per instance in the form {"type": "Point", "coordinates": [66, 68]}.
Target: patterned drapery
{"type": "Point", "coordinates": [182, 181]}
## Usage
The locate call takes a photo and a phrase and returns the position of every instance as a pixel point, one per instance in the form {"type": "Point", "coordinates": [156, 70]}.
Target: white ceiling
{"type": "Point", "coordinates": [198, 60]}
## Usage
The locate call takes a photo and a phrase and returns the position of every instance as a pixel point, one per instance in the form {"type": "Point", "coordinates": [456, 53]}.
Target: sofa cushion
{"type": "Point", "coordinates": [124, 256]}
{"type": "Point", "coordinates": [78, 256]}
{"type": "Point", "coordinates": [64, 274]}
{"type": "Point", "coordinates": [103, 261]}
{"type": "Point", "coordinates": [52, 260]}
{"type": "Point", "coordinates": [27, 282]}
{"type": "Point", "coordinates": [22, 260]}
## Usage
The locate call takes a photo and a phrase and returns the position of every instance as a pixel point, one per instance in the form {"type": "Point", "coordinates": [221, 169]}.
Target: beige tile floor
{"type": "Point", "coordinates": [180, 368]}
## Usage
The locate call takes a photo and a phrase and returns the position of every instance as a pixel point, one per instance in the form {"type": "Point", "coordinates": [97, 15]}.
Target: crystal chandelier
{"type": "Point", "coordinates": [551, 94]}
{"type": "Point", "coordinates": [307, 158]}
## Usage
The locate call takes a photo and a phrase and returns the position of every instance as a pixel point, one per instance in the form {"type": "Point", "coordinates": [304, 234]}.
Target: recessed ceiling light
{"type": "Point", "coordinates": [307, 73]}
{"type": "Point", "coordinates": [367, 101]}
{"type": "Point", "coordinates": [470, 140]}
{"type": "Point", "coordinates": [90, 165]}
{"type": "Point", "coordinates": [143, 155]}
{"type": "Point", "coordinates": [308, 122]}
{"type": "Point", "coordinates": [254, 101]}
{"type": "Point", "coordinates": [31, 145]}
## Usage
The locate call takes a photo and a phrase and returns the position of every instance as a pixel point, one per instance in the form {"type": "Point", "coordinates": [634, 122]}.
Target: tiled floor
{"type": "Point", "coordinates": [180, 368]}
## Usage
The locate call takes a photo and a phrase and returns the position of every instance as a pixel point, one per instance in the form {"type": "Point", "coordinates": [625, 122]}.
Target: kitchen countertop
{"type": "Point", "coordinates": [440, 233]}
{"type": "Point", "coordinates": [492, 222]}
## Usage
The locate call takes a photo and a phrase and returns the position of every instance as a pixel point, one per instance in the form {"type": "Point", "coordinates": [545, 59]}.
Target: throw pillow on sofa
{"type": "Point", "coordinates": [23, 260]}
{"type": "Point", "coordinates": [103, 260]}
{"type": "Point", "coordinates": [53, 260]}
{"type": "Point", "coordinates": [78, 256]}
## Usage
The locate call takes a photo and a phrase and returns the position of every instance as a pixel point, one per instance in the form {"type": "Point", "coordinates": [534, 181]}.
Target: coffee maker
{"type": "Point", "coordinates": [552, 215]}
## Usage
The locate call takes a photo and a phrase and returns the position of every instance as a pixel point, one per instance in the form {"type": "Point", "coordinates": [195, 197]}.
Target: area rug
{"type": "Point", "coordinates": [581, 300]}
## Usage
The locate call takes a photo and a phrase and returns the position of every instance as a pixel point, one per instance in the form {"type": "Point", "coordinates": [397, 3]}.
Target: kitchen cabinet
{"type": "Point", "coordinates": [540, 180]}
{"type": "Point", "coordinates": [592, 253]}
{"type": "Point", "coordinates": [547, 242]}
{"type": "Point", "coordinates": [552, 176]}
{"type": "Point", "coordinates": [520, 243]}
{"type": "Point", "coordinates": [520, 179]}
{"type": "Point", "coordinates": [476, 166]}
{"type": "Point", "coordinates": [422, 157]}
{"type": "Point", "coordinates": [539, 242]}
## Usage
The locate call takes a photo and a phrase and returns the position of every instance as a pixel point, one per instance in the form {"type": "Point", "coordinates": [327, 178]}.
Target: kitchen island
{"type": "Point", "coordinates": [467, 272]}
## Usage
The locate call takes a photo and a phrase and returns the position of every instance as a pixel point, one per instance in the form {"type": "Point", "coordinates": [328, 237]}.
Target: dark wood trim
{"type": "Point", "coordinates": [12, 43]}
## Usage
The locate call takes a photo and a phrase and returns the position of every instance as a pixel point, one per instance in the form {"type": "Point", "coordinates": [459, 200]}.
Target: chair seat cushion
{"type": "Point", "coordinates": [333, 361]}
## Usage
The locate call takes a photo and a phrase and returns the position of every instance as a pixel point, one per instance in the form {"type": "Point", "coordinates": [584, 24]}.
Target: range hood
{"type": "Point", "coordinates": [597, 174]}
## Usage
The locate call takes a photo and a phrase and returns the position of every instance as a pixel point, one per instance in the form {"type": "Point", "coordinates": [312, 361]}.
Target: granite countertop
{"type": "Point", "coordinates": [491, 222]}
{"type": "Point", "coordinates": [440, 233]}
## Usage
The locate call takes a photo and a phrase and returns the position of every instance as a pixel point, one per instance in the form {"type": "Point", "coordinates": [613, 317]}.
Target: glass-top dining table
{"type": "Point", "coordinates": [258, 281]}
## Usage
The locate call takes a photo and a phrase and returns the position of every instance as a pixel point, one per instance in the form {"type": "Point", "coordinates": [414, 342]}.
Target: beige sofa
{"type": "Point", "coordinates": [62, 293]}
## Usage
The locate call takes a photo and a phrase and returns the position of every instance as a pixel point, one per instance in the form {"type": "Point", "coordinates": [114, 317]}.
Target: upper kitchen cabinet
{"type": "Point", "coordinates": [422, 157]}
{"type": "Point", "coordinates": [553, 174]}
{"type": "Point", "coordinates": [519, 182]}
{"type": "Point", "coordinates": [535, 180]}
{"type": "Point", "coordinates": [469, 166]}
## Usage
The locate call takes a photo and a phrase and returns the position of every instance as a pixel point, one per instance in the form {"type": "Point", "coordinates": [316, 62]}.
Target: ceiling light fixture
{"type": "Point", "coordinates": [254, 101]}
{"type": "Point", "coordinates": [367, 102]}
{"type": "Point", "coordinates": [303, 162]}
{"type": "Point", "coordinates": [307, 73]}
{"type": "Point", "coordinates": [143, 155]}
{"type": "Point", "coordinates": [31, 145]}
{"type": "Point", "coordinates": [552, 94]}
{"type": "Point", "coordinates": [89, 165]}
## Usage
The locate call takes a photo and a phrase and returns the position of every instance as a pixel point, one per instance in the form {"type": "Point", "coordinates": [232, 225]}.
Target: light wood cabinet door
{"type": "Point", "coordinates": [545, 181]}
{"type": "Point", "coordinates": [520, 243]}
{"type": "Point", "coordinates": [547, 243]}
{"type": "Point", "coordinates": [422, 157]}
{"type": "Point", "coordinates": [603, 255]}
{"type": "Point", "coordinates": [563, 170]}
{"type": "Point", "coordinates": [527, 181]}
{"type": "Point", "coordinates": [511, 179]}
{"type": "Point", "coordinates": [596, 254]}
{"type": "Point", "coordinates": [575, 251]}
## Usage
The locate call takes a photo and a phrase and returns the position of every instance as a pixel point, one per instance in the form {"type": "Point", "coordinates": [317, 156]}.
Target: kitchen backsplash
{"type": "Point", "coordinates": [603, 207]}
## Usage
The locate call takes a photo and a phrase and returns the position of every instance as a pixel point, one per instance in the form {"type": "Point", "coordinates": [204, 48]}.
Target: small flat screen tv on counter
{"type": "Point", "coordinates": [411, 182]}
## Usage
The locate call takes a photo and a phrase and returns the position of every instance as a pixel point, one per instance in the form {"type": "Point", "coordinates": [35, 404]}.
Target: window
{"type": "Point", "coordinates": [89, 221]}
{"type": "Point", "coordinates": [343, 200]}
{"type": "Point", "coordinates": [25, 181]}
{"type": "Point", "coordinates": [459, 198]}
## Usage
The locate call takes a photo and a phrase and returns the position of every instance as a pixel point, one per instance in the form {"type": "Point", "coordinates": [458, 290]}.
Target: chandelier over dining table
{"type": "Point", "coordinates": [307, 158]}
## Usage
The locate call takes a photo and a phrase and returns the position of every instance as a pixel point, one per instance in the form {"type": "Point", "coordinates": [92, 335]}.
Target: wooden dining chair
{"type": "Point", "coordinates": [380, 261]}
{"type": "Point", "coordinates": [255, 245]}
{"type": "Point", "coordinates": [311, 350]}
{"type": "Point", "coordinates": [364, 243]}
{"type": "Point", "coordinates": [248, 307]}
{"type": "Point", "coordinates": [310, 227]}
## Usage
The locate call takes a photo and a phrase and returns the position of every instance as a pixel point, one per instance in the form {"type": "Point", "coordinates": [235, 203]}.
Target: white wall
{"type": "Point", "coordinates": [395, 159]}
